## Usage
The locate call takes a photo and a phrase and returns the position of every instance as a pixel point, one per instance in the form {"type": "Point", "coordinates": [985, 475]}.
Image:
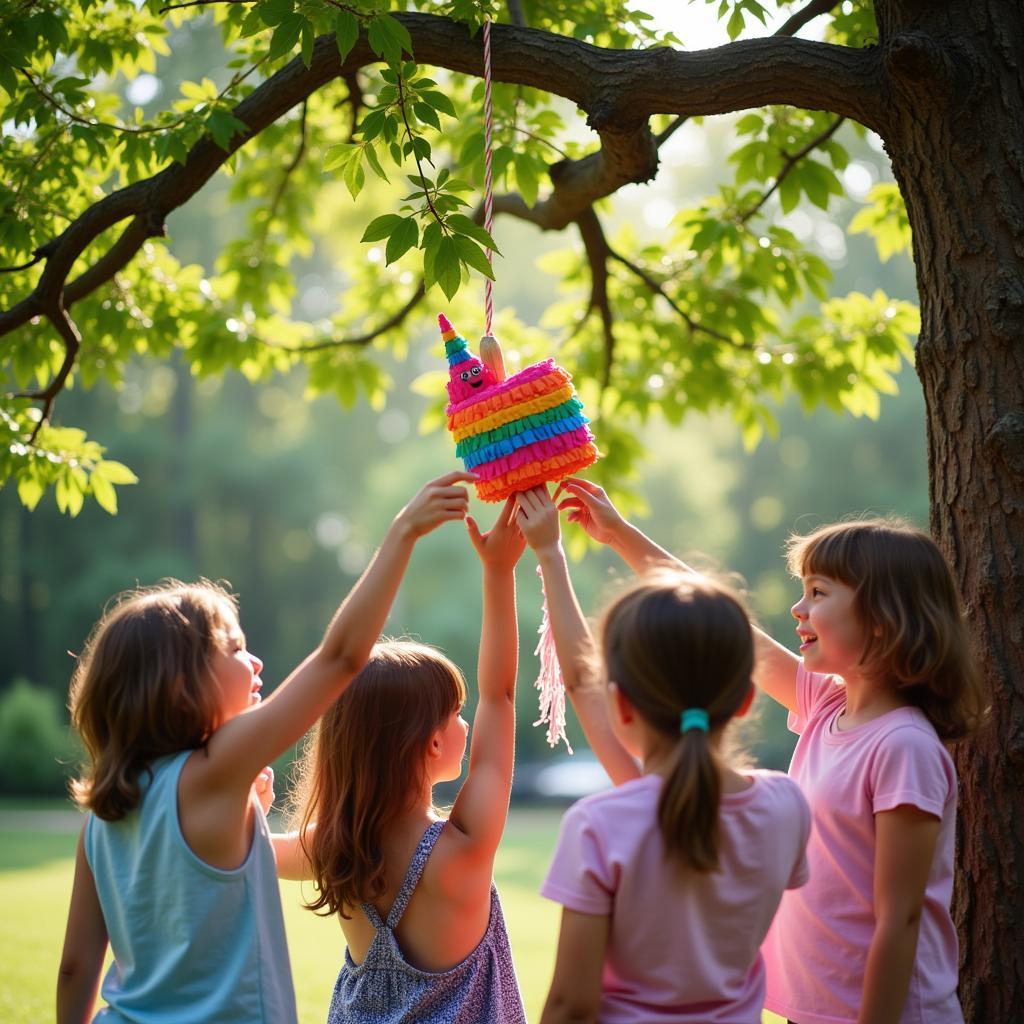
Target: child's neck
{"type": "Point", "coordinates": [867, 699]}
{"type": "Point", "coordinates": [658, 758]}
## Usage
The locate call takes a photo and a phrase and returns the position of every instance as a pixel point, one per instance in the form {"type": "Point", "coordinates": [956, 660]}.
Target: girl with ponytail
{"type": "Point", "coordinates": [669, 881]}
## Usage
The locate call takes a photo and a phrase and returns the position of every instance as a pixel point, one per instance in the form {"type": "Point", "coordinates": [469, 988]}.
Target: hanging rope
{"type": "Point", "coordinates": [488, 182]}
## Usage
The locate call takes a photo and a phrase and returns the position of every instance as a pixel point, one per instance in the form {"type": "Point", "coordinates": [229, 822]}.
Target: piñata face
{"type": "Point", "coordinates": [516, 433]}
{"type": "Point", "coordinates": [468, 378]}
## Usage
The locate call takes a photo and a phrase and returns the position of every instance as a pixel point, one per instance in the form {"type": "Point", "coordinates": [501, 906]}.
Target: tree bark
{"type": "Point", "coordinates": [955, 134]}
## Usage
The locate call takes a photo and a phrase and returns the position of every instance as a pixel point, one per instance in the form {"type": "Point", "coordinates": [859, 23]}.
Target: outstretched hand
{"type": "Point", "coordinates": [538, 518]}
{"type": "Point", "coordinates": [436, 503]}
{"type": "Point", "coordinates": [264, 786]}
{"type": "Point", "coordinates": [502, 546]}
{"type": "Point", "coordinates": [590, 507]}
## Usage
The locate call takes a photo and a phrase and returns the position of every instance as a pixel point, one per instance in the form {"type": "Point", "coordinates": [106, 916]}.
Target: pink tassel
{"type": "Point", "coordinates": [549, 681]}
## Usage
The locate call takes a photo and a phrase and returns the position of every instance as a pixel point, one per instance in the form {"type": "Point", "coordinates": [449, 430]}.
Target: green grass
{"type": "Point", "coordinates": [36, 869]}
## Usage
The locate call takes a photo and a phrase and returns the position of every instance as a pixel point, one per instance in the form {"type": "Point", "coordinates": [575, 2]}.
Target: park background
{"type": "Point", "coordinates": [286, 497]}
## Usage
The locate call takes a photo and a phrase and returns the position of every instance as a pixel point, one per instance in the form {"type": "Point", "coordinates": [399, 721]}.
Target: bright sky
{"type": "Point", "coordinates": [697, 25]}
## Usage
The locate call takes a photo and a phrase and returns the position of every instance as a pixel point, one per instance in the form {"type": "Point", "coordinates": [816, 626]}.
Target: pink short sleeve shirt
{"type": "Point", "coordinates": [682, 947]}
{"type": "Point", "coordinates": [816, 951]}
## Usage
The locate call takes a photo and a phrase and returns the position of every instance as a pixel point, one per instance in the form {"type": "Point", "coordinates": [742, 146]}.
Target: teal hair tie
{"type": "Point", "coordinates": [693, 718]}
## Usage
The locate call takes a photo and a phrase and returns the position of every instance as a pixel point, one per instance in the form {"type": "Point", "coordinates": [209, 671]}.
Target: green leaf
{"type": "Point", "coordinates": [427, 115]}
{"type": "Point", "coordinates": [460, 223]}
{"type": "Point", "coordinates": [526, 178]}
{"type": "Point", "coordinates": [396, 31]}
{"type": "Point", "coordinates": [346, 32]}
{"type": "Point", "coordinates": [438, 101]}
{"type": "Point", "coordinates": [734, 26]}
{"type": "Point", "coordinates": [223, 126]}
{"type": "Point", "coordinates": [472, 255]}
{"type": "Point", "coordinates": [448, 268]}
{"type": "Point", "coordinates": [370, 152]}
{"type": "Point", "coordinates": [381, 227]}
{"type": "Point", "coordinates": [104, 493]}
{"type": "Point", "coordinates": [30, 490]}
{"type": "Point", "coordinates": [789, 191]}
{"type": "Point", "coordinates": [354, 177]}
{"type": "Point", "coordinates": [273, 12]}
{"type": "Point", "coordinates": [114, 472]}
{"type": "Point", "coordinates": [286, 35]}
{"type": "Point", "coordinates": [749, 124]}
{"type": "Point", "coordinates": [402, 239]}
{"type": "Point", "coordinates": [308, 38]}
{"type": "Point", "coordinates": [340, 155]}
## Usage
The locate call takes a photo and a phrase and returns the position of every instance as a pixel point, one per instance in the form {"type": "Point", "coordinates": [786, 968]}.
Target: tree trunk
{"type": "Point", "coordinates": [956, 139]}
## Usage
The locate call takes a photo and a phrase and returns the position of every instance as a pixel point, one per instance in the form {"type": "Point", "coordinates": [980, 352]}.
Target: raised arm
{"type": "Point", "coordinates": [240, 748]}
{"type": "Point", "coordinates": [574, 644]}
{"type": "Point", "coordinates": [590, 507]}
{"type": "Point", "coordinates": [481, 807]}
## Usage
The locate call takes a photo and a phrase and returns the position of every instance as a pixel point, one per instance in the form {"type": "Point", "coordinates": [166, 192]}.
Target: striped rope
{"type": "Point", "coordinates": [488, 183]}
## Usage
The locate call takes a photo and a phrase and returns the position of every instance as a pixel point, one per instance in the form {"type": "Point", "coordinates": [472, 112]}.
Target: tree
{"type": "Point", "coordinates": [716, 314]}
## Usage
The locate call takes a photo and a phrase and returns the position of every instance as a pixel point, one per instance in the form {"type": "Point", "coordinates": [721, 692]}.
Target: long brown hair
{"type": "Point", "coordinates": [365, 760]}
{"type": "Point", "coordinates": [907, 603]}
{"type": "Point", "coordinates": [674, 641]}
{"type": "Point", "coordinates": [142, 688]}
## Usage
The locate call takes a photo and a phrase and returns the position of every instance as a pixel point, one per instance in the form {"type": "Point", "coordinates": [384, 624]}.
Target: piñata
{"type": "Point", "coordinates": [518, 432]}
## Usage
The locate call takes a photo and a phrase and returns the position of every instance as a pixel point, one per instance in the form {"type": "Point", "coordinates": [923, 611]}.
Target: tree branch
{"type": "Point", "coordinates": [300, 151]}
{"type": "Point", "coordinates": [788, 28]}
{"type": "Point", "coordinates": [58, 316]}
{"type": "Point", "coordinates": [596, 246]}
{"type": "Point", "coordinates": [796, 21]}
{"type": "Point", "coordinates": [619, 89]}
{"type": "Point", "coordinates": [358, 339]}
{"type": "Point", "coordinates": [790, 162]}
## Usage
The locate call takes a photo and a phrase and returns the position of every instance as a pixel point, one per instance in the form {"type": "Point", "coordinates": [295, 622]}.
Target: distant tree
{"type": "Point", "coordinates": [695, 321]}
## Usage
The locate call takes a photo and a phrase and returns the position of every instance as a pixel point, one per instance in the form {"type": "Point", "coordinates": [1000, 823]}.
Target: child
{"type": "Point", "coordinates": [886, 679]}
{"type": "Point", "coordinates": [669, 881]}
{"type": "Point", "coordinates": [426, 939]}
{"type": "Point", "coordinates": [174, 864]}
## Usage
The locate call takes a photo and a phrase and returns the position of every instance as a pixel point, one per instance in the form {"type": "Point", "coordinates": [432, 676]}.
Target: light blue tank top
{"type": "Point", "coordinates": [191, 942]}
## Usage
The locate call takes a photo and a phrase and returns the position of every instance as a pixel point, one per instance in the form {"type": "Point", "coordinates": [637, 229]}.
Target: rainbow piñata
{"type": "Point", "coordinates": [526, 430]}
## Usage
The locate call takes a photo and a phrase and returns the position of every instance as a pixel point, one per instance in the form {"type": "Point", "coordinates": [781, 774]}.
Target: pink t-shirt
{"type": "Point", "coordinates": [816, 951]}
{"type": "Point", "coordinates": [683, 946]}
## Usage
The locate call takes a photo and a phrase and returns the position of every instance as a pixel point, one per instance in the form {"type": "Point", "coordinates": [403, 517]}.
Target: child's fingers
{"type": "Point", "coordinates": [508, 511]}
{"type": "Point", "coordinates": [474, 533]}
{"type": "Point", "coordinates": [454, 477]}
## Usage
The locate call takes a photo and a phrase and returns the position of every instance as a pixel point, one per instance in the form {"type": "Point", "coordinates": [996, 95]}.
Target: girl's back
{"type": "Point", "coordinates": [447, 912]}
{"type": "Point", "coordinates": [682, 945]}
{"type": "Point", "coordinates": [403, 977]}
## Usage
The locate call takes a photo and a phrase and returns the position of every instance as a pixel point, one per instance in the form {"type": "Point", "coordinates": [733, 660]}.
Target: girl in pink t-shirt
{"type": "Point", "coordinates": [670, 880]}
{"type": "Point", "coordinates": [886, 679]}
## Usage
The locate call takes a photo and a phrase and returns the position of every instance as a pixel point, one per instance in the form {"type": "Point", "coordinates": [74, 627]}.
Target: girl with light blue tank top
{"type": "Point", "coordinates": [191, 942]}
{"type": "Point", "coordinates": [174, 870]}
{"type": "Point", "coordinates": [365, 798]}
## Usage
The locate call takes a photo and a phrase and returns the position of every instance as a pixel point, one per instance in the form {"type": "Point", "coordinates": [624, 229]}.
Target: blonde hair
{"type": "Point", "coordinates": [907, 604]}
{"type": "Point", "coordinates": [143, 689]}
{"type": "Point", "coordinates": [673, 641]}
{"type": "Point", "coordinates": [364, 761]}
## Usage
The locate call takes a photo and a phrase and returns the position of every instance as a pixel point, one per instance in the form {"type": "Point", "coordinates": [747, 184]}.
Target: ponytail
{"type": "Point", "coordinates": [681, 650]}
{"type": "Point", "coordinates": [689, 803]}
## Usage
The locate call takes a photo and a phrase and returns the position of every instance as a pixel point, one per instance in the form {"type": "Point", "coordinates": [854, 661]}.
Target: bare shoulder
{"type": "Point", "coordinates": [458, 870]}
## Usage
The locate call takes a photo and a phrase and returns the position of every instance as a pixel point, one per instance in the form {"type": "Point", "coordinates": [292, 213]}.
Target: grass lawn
{"type": "Point", "coordinates": [36, 868]}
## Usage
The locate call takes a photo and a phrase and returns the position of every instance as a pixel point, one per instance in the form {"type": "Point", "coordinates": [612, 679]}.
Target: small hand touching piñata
{"type": "Point", "coordinates": [516, 433]}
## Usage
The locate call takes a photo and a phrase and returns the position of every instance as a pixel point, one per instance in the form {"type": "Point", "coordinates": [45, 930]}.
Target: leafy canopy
{"type": "Point", "coordinates": [728, 309]}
